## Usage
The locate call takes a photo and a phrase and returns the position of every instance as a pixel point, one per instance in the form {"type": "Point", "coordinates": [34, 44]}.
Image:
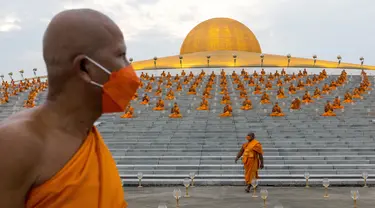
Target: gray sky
{"type": "Point", "coordinates": [157, 27]}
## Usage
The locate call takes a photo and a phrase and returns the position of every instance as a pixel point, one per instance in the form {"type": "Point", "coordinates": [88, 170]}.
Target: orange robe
{"type": "Point", "coordinates": [89, 179]}
{"type": "Point", "coordinates": [250, 159]}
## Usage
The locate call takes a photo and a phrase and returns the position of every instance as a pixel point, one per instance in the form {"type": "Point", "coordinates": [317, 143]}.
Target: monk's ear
{"type": "Point", "coordinates": [82, 66]}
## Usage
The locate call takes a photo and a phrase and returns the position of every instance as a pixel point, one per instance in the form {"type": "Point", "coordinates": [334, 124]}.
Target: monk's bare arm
{"type": "Point", "coordinates": [261, 161]}
{"type": "Point", "coordinates": [18, 158]}
{"type": "Point", "coordinates": [239, 154]}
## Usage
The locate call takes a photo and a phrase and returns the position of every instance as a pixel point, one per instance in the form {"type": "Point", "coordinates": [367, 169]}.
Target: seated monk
{"type": "Point", "coordinates": [159, 105]}
{"type": "Point", "coordinates": [262, 72]}
{"type": "Point", "coordinates": [300, 85]}
{"type": "Point", "coordinates": [277, 74]}
{"type": "Point", "coordinates": [169, 84]}
{"type": "Point", "coordinates": [140, 84]}
{"type": "Point", "coordinates": [246, 77]}
{"type": "Point", "coordinates": [176, 78]}
{"type": "Point", "coordinates": [294, 77]}
{"type": "Point", "coordinates": [333, 85]}
{"type": "Point", "coordinates": [175, 112]}
{"type": "Point", "coordinates": [183, 73]}
{"type": "Point", "coordinates": [270, 77]}
{"type": "Point", "coordinates": [148, 87]}
{"type": "Point", "coordinates": [280, 93]}
{"type": "Point", "coordinates": [29, 103]}
{"type": "Point", "coordinates": [158, 91]}
{"type": "Point", "coordinates": [152, 78]}
{"type": "Point", "coordinates": [145, 100]}
{"type": "Point", "coordinates": [276, 110]}
{"type": "Point", "coordinates": [328, 110]}
{"type": "Point", "coordinates": [243, 72]}
{"type": "Point", "coordinates": [337, 103]}
{"type": "Point", "coordinates": [296, 104]}
{"type": "Point", "coordinates": [128, 112]}
{"type": "Point", "coordinates": [160, 81]}
{"type": "Point", "coordinates": [162, 74]}
{"type": "Point", "coordinates": [225, 99]}
{"type": "Point", "coordinates": [292, 89]}
{"type": "Point", "coordinates": [203, 105]}
{"type": "Point", "coordinates": [305, 72]}
{"type": "Point", "coordinates": [222, 73]}
{"type": "Point", "coordinates": [356, 93]}
{"type": "Point", "coordinates": [283, 72]}
{"type": "Point", "coordinates": [315, 79]}
{"type": "Point", "coordinates": [192, 90]}
{"type": "Point", "coordinates": [243, 94]}
{"type": "Point", "coordinates": [191, 75]}
{"type": "Point", "coordinates": [324, 73]}
{"type": "Point", "coordinates": [135, 96]}
{"type": "Point", "coordinates": [240, 87]}
{"type": "Point", "coordinates": [307, 98]}
{"type": "Point", "coordinates": [258, 89]}
{"type": "Point", "coordinates": [147, 77]}
{"type": "Point", "coordinates": [207, 93]}
{"type": "Point", "coordinates": [317, 93]}
{"type": "Point", "coordinates": [170, 95]}
{"type": "Point", "coordinates": [255, 74]}
{"type": "Point", "coordinates": [300, 74]}
{"type": "Point", "coordinates": [287, 78]}
{"type": "Point", "coordinates": [251, 82]}
{"type": "Point", "coordinates": [169, 75]}
{"type": "Point", "coordinates": [265, 99]}
{"type": "Point", "coordinates": [234, 74]}
{"type": "Point", "coordinates": [247, 104]}
{"type": "Point", "coordinates": [308, 82]}
{"type": "Point", "coordinates": [142, 75]}
{"type": "Point", "coordinates": [179, 87]}
{"type": "Point", "coordinates": [348, 98]}
{"type": "Point", "coordinates": [261, 79]}
{"type": "Point", "coordinates": [227, 111]}
{"type": "Point", "coordinates": [279, 83]}
{"type": "Point", "coordinates": [186, 80]}
{"type": "Point", "coordinates": [268, 85]}
{"type": "Point", "coordinates": [325, 89]}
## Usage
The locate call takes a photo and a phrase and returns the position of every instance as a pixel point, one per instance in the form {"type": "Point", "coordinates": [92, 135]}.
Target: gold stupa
{"type": "Point", "coordinates": [224, 42]}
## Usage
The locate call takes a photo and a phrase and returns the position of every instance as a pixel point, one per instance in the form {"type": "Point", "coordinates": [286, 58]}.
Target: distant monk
{"type": "Point", "coordinates": [296, 104]}
{"type": "Point", "coordinates": [257, 90]}
{"type": "Point", "coordinates": [317, 93]}
{"type": "Point", "coordinates": [348, 98]}
{"type": "Point", "coordinates": [252, 159]}
{"type": "Point", "coordinates": [268, 85]}
{"type": "Point", "coordinates": [203, 105]}
{"type": "Point", "coordinates": [328, 110]}
{"type": "Point", "coordinates": [307, 98]}
{"type": "Point", "coordinates": [325, 89]}
{"type": "Point", "coordinates": [128, 112]}
{"type": "Point", "coordinates": [283, 72]}
{"type": "Point", "coordinates": [56, 156]}
{"type": "Point", "coordinates": [292, 89]}
{"type": "Point", "coordinates": [170, 95]}
{"type": "Point", "coordinates": [281, 93]}
{"type": "Point", "coordinates": [251, 82]}
{"type": "Point", "coordinates": [243, 94]}
{"type": "Point", "coordinates": [158, 91]}
{"type": "Point", "coordinates": [276, 110]}
{"type": "Point", "coordinates": [227, 111]}
{"type": "Point", "coordinates": [145, 100]}
{"type": "Point", "coordinates": [246, 104]}
{"type": "Point", "coordinates": [159, 105]}
{"type": "Point", "coordinates": [356, 93]}
{"type": "Point", "coordinates": [262, 72]}
{"type": "Point", "coordinates": [192, 90]}
{"type": "Point", "coordinates": [279, 83]}
{"type": "Point", "coordinates": [265, 99]}
{"type": "Point", "coordinates": [225, 99]}
{"type": "Point", "coordinates": [337, 103]}
{"type": "Point", "coordinates": [175, 112]}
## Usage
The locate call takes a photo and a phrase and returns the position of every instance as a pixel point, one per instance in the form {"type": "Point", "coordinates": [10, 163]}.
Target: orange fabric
{"type": "Point", "coordinates": [250, 159]}
{"type": "Point", "coordinates": [89, 179]}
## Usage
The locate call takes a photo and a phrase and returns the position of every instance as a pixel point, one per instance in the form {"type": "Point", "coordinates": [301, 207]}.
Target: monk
{"type": "Point", "coordinates": [159, 105]}
{"type": "Point", "coordinates": [206, 93]}
{"type": "Point", "coordinates": [252, 159]}
{"type": "Point", "coordinates": [128, 112]}
{"type": "Point", "coordinates": [179, 87]}
{"type": "Point", "coordinates": [145, 100]}
{"type": "Point", "coordinates": [283, 72]}
{"type": "Point", "coordinates": [261, 79]}
{"type": "Point", "coordinates": [224, 90]}
{"type": "Point", "coordinates": [337, 103]}
{"type": "Point", "coordinates": [176, 78]}
{"type": "Point", "coordinates": [268, 85]}
{"type": "Point", "coordinates": [328, 110]}
{"type": "Point", "coordinates": [308, 82]}
{"type": "Point", "coordinates": [158, 91]}
{"type": "Point", "coordinates": [225, 99]}
{"type": "Point", "coordinates": [270, 76]}
{"type": "Point", "coordinates": [227, 111]}
{"type": "Point", "coordinates": [326, 89]}
{"type": "Point", "coordinates": [356, 93]}
{"type": "Point", "coordinates": [348, 98]}
{"type": "Point", "coordinates": [183, 73]}
{"type": "Point", "coordinates": [265, 99]}
{"type": "Point", "coordinates": [296, 104]}
{"type": "Point", "coordinates": [251, 82]}
{"type": "Point", "coordinates": [186, 81]}
{"type": "Point", "coordinates": [300, 85]}
{"type": "Point", "coordinates": [203, 105]}
{"type": "Point", "coordinates": [152, 78]}
{"type": "Point", "coordinates": [299, 74]}
{"type": "Point", "coordinates": [305, 72]}
{"type": "Point", "coordinates": [307, 98]}
{"type": "Point", "coordinates": [169, 83]}
{"type": "Point", "coordinates": [255, 74]}
{"type": "Point", "coordinates": [262, 72]}
{"type": "Point", "coordinates": [279, 83]}
{"type": "Point", "coordinates": [170, 95]}
{"type": "Point", "coordinates": [281, 93]}
{"type": "Point", "coordinates": [277, 74]}
{"type": "Point", "coordinates": [276, 111]}
{"type": "Point", "coordinates": [247, 104]}
{"type": "Point", "coordinates": [317, 93]}
{"type": "Point", "coordinates": [192, 90]}
{"type": "Point", "coordinates": [257, 90]}
{"type": "Point", "coordinates": [148, 87]}
{"type": "Point", "coordinates": [243, 94]}
{"type": "Point", "coordinates": [292, 89]}
{"type": "Point", "coordinates": [333, 85]}
{"type": "Point", "coordinates": [175, 112]}
{"type": "Point", "coordinates": [56, 156]}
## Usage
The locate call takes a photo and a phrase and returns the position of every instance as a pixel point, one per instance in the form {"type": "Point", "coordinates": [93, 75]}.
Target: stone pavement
{"type": "Point", "coordinates": [235, 197]}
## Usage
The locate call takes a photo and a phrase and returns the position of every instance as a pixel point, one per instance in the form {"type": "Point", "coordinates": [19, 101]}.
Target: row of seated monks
{"type": "Point", "coordinates": [247, 105]}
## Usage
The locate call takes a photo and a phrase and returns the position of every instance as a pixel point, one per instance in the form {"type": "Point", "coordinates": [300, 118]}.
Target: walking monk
{"type": "Point", "coordinates": [52, 156]}
{"type": "Point", "coordinates": [252, 159]}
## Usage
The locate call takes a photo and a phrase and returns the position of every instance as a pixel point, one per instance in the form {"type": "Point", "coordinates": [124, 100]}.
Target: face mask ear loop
{"type": "Point", "coordinates": [98, 65]}
{"type": "Point", "coordinates": [97, 84]}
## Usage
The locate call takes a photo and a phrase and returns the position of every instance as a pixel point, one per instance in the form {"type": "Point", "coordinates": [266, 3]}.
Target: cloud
{"type": "Point", "coordinates": [9, 23]}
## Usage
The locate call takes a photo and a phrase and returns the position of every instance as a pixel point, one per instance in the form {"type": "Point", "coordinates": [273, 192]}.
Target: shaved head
{"type": "Point", "coordinates": [70, 37]}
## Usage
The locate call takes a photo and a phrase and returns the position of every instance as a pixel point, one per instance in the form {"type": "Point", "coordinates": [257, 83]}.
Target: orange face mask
{"type": "Point", "coordinates": [119, 89]}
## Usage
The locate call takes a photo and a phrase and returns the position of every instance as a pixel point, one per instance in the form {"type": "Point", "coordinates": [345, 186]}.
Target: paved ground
{"type": "Point", "coordinates": [235, 197]}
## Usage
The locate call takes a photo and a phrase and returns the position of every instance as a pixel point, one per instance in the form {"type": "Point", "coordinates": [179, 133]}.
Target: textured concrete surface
{"type": "Point", "coordinates": [235, 197]}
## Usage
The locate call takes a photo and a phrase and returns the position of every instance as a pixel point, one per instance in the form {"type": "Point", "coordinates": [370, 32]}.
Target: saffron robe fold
{"type": "Point", "coordinates": [250, 159]}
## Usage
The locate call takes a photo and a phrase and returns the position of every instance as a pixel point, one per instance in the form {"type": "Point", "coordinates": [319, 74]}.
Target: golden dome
{"type": "Point", "coordinates": [220, 34]}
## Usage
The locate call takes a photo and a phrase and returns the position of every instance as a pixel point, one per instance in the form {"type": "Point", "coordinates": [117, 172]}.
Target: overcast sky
{"type": "Point", "coordinates": [157, 27]}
